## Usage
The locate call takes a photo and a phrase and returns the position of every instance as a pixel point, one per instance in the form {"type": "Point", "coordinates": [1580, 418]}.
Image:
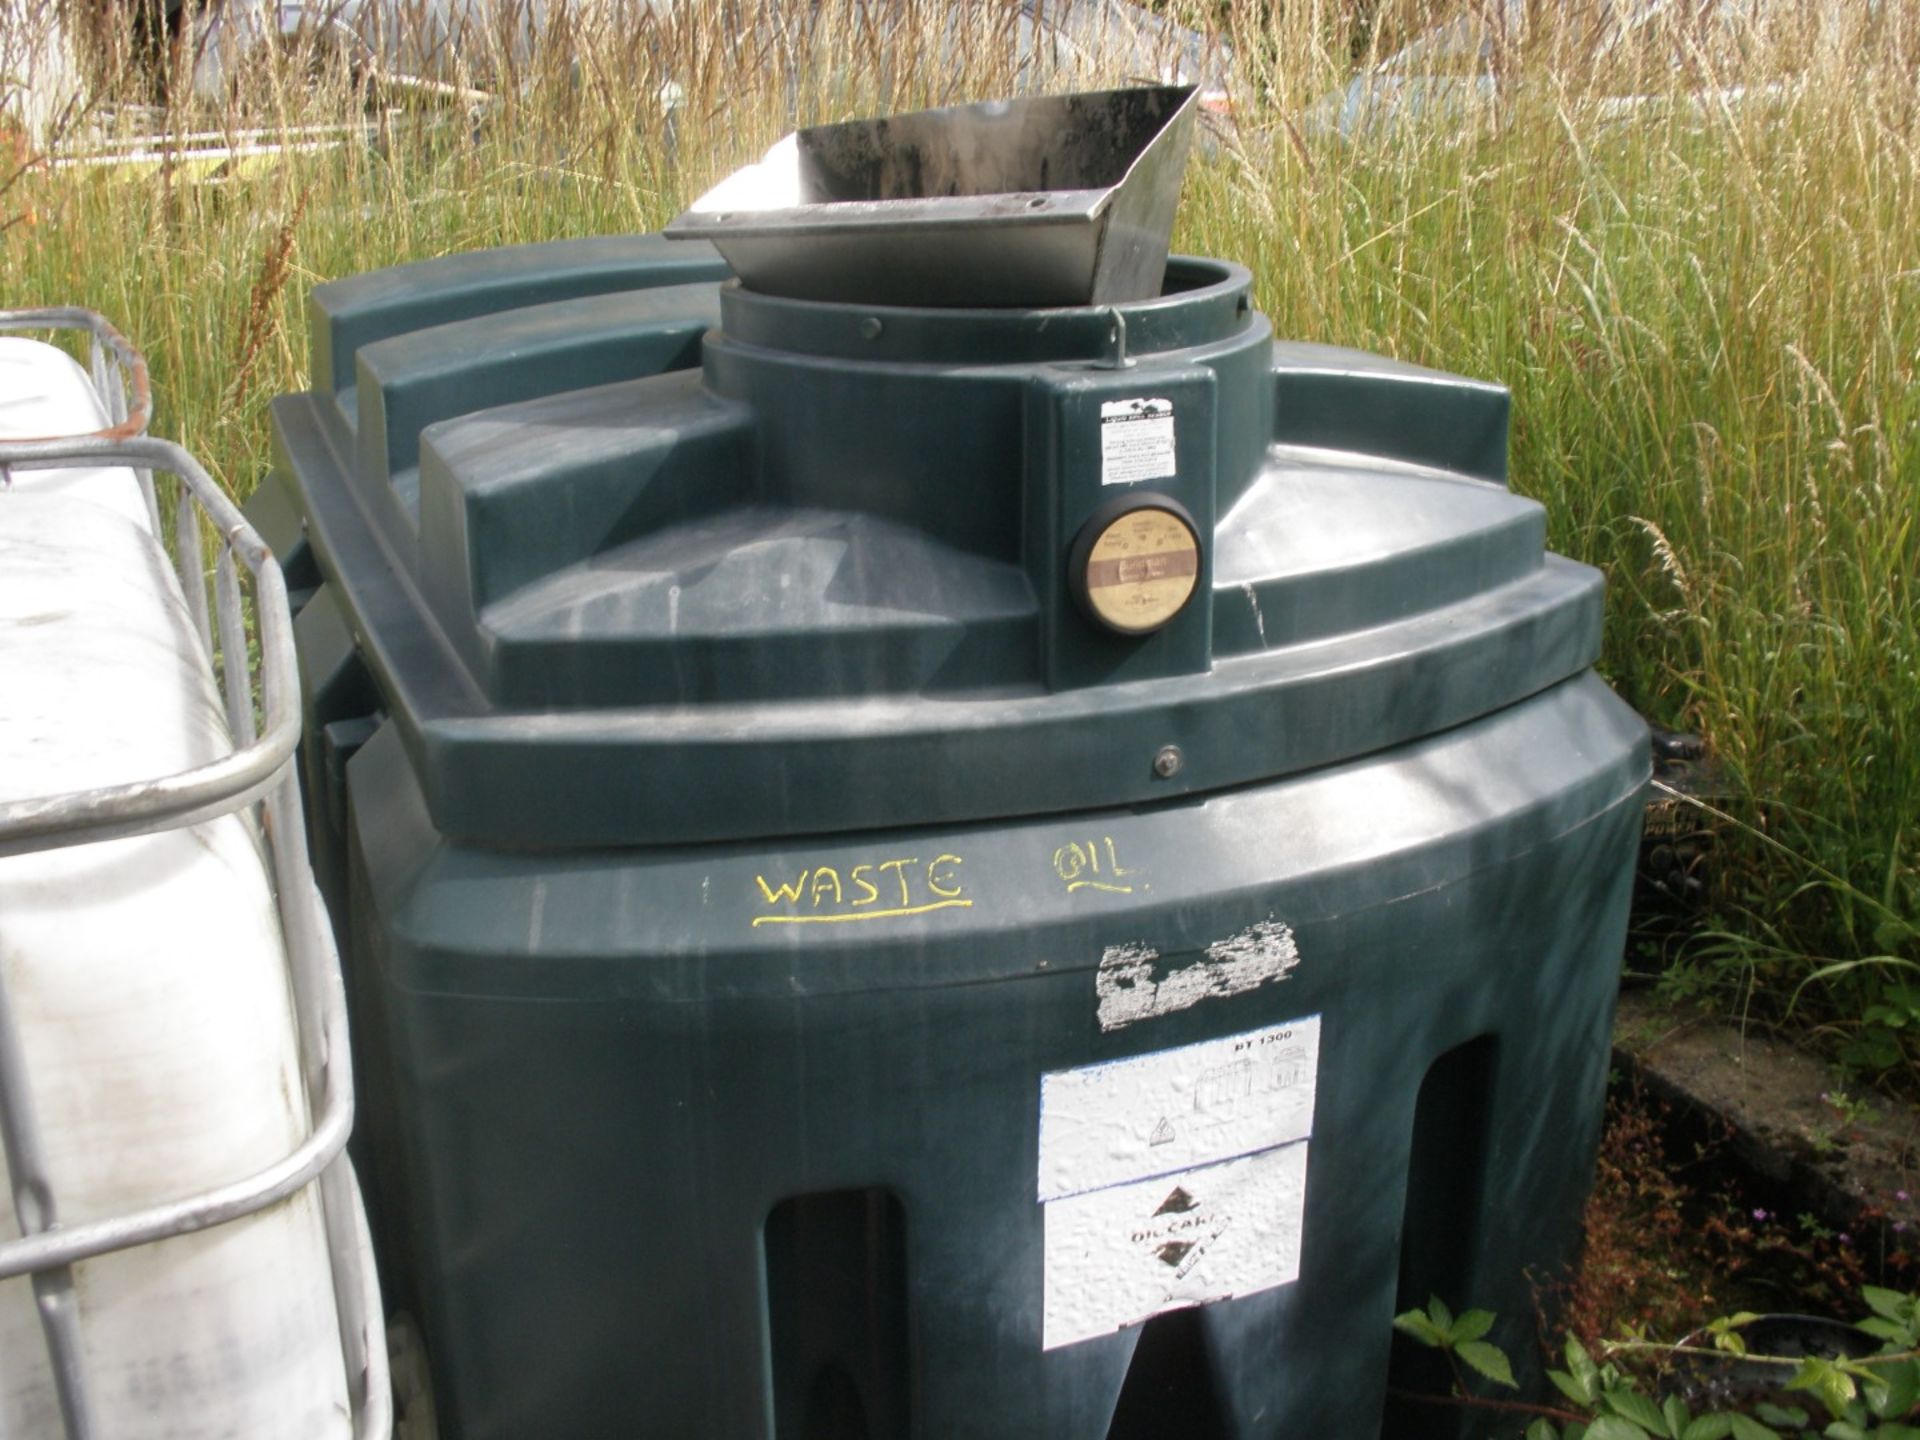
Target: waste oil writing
{"type": "Point", "coordinates": [1094, 865]}
{"type": "Point", "coordinates": [882, 889]}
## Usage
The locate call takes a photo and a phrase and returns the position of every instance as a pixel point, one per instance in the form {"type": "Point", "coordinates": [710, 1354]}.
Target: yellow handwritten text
{"type": "Point", "coordinates": [1092, 863]}
{"type": "Point", "coordinates": [878, 890]}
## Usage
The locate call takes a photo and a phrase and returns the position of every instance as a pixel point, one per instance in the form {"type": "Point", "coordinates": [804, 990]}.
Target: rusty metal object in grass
{"type": "Point", "coordinates": [118, 370]}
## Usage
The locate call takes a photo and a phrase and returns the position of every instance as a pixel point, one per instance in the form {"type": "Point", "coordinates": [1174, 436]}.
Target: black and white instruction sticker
{"type": "Point", "coordinates": [1174, 1179]}
{"type": "Point", "coordinates": [1136, 441]}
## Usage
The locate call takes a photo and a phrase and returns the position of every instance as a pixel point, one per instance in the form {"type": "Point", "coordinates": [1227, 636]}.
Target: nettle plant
{"type": "Point", "coordinates": [1638, 1390]}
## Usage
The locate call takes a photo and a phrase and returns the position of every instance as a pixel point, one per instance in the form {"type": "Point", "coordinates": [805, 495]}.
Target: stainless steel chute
{"type": "Point", "coordinates": [1036, 201]}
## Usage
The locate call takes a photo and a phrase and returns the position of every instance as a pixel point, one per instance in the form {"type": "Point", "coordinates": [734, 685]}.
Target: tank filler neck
{"type": "Point", "coordinates": [1203, 302]}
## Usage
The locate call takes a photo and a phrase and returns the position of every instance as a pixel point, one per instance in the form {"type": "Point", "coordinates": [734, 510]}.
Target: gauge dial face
{"type": "Point", "coordinates": [1141, 569]}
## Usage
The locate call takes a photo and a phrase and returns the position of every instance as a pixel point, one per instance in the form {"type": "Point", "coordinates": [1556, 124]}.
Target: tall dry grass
{"type": "Point", "coordinates": [1689, 246]}
{"type": "Point", "coordinates": [1694, 254]}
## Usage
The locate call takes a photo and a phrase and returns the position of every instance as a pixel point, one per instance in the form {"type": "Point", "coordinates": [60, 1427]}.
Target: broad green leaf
{"type": "Point", "coordinates": [1570, 1387]}
{"type": "Point", "coordinates": [1639, 1409]}
{"type": "Point", "coordinates": [1791, 1416]}
{"type": "Point", "coordinates": [1726, 1332]}
{"type": "Point", "coordinates": [1858, 1369]}
{"type": "Point", "coordinates": [1542, 1429]}
{"type": "Point", "coordinates": [1747, 1428]}
{"type": "Point", "coordinates": [1615, 1427]}
{"type": "Point", "coordinates": [1416, 1325]}
{"type": "Point", "coordinates": [1733, 1342]}
{"type": "Point", "coordinates": [1489, 1360]}
{"type": "Point", "coordinates": [1709, 1427]}
{"type": "Point", "coordinates": [1893, 1431]}
{"type": "Point", "coordinates": [1884, 1329]}
{"type": "Point", "coordinates": [1677, 1417]}
{"type": "Point", "coordinates": [1585, 1374]}
{"type": "Point", "coordinates": [1471, 1326]}
{"type": "Point", "coordinates": [1898, 1390]}
{"type": "Point", "coordinates": [1841, 1430]}
{"type": "Point", "coordinates": [1890, 1303]}
{"type": "Point", "coordinates": [1872, 1401]}
{"type": "Point", "coordinates": [1438, 1312]}
{"type": "Point", "coordinates": [1827, 1381]}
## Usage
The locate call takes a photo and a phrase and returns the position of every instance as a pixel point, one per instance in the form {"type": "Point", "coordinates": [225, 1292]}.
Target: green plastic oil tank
{"type": "Point", "coordinates": [941, 871]}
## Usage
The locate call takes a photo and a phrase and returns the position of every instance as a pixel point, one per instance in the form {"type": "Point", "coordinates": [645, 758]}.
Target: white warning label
{"type": "Point", "coordinates": [1174, 1179]}
{"type": "Point", "coordinates": [1136, 441]}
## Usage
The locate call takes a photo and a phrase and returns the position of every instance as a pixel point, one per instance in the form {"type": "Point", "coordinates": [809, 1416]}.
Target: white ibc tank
{"type": "Point", "coordinates": [149, 988]}
{"type": "Point", "coordinates": [43, 393]}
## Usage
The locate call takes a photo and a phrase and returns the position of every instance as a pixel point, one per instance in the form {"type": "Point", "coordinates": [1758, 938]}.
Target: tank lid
{"type": "Point", "coordinates": [1043, 200]}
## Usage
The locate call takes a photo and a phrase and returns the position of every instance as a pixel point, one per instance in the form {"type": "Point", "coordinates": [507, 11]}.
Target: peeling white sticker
{"type": "Point", "coordinates": [1127, 1119]}
{"type": "Point", "coordinates": [1136, 441]}
{"type": "Point", "coordinates": [1121, 1256]}
{"type": "Point", "coordinates": [1127, 991]}
{"type": "Point", "coordinates": [1174, 1179]}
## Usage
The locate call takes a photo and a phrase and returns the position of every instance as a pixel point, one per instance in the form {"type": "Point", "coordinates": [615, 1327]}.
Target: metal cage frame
{"type": "Point", "coordinates": [257, 775]}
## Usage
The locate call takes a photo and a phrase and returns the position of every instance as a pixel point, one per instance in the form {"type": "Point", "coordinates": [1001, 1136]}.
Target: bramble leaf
{"type": "Point", "coordinates": [1614, 1427]}
{"type": "Point", "coordinates": [1726, 1331]}
{"type": "Point", "coordinates": [1585, 1373]}
{"type": "Point", "coordinates": [1570, 1387]}
{"type": "Point", "coordinates": [1747, 1428]}
{"type": "Point", "coordinates": [1831, 1385]}
{"type": "Point", "coordinates": [1890, 1303]}
{"type": "Point", "coordinates": [1471, 1326]}
{"type": "Point", "coordinates": [1897, 1391]}
{"type": "Point", "coordinates": [1709, 1427]}
{"type": "Point", "coordinates": [1891, 1330]}
{"type": "Point", "coordinates": [1489, 1360]}
{"type": "Point", "coordinates": [1639, 1409]}
{"type": "Point", "coordinates": [1417, 1326]}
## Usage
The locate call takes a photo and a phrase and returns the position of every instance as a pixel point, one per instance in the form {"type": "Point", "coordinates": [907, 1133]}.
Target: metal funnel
{"type": "Point", "coordinates": [1039, 201]}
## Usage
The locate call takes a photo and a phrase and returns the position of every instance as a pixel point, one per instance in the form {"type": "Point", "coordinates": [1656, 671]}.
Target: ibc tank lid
{"type": "Point", "coordinates": [1036, 201]}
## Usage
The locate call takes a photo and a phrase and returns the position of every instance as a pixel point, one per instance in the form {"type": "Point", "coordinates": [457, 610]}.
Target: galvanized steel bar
{"type": "Point", "coordinates": [327, 1070]}
{"type": "Point", "coordinates": [192, 571]}
{"type": "Point", "coordinates": [59, 1308]}
{"type": "Point", "coordinates": [138, 410]}
{"type": "Point", "coordinates": [259, 767]}
{"type": "Point", "coordinates": [233, 648]}
{"type": "Point", "coordinates": [73, 1243]}
{"type": "Point", "coordinates": [37, 1212]}
{"type": "Point", "coordinates": [170, 801]}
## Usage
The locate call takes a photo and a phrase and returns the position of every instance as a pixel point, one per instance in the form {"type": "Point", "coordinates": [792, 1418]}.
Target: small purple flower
{"type": "Point", "coordinates": [1759, 1214]}
{"type": "Point", "coordinates": [1845, 1238]}
{"type": "Point", "coordinates": [1901, 1196]}
{"type": "Point", "coordinates": [1899, 1227]}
